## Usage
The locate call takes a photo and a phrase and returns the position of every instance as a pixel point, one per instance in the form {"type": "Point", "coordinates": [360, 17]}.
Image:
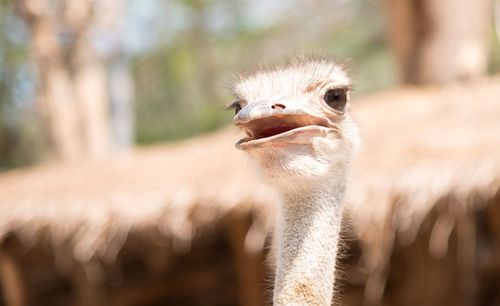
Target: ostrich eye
{"type": "Point", "coordinates": [336, 98]}
{"type": "Point", "coordinates": [236, 105]}
{"type": "Point", "coordinates": [237, 108]}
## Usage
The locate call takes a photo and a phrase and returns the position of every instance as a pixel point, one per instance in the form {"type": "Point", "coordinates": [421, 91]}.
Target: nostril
{"type": "Point", "coordinates": [278, 106]}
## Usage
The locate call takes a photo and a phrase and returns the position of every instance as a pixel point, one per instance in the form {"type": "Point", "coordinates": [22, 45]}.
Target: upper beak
{"type": "Point", "coordinates": [262, 109]}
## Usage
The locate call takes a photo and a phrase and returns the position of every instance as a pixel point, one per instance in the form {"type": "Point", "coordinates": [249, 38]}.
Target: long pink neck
{"type": "Point", "coordinates": [307, 240]}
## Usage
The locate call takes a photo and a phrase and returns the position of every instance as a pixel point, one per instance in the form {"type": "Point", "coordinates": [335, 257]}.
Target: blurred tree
{"type": "Point", "coordinates": [439, 41]}
{"type": "Point", "coordinates": [73, 85]}
{"type": "Point", "coordinates": [55, 93]}
{"type": "Point", "coordinates": [179, 56]}
{"type": "Point", "coordinates": [110, 37]}
{"type": "Point", "coordinates": [21, 139]}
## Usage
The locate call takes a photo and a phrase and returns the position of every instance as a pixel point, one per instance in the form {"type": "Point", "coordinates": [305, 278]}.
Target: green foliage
{"type": "Point", "coordinates": [182, 85]}
{"type": "Point", "coordinates": [171, 100]}
{"type": "Point", "coordinates": [494, 42]}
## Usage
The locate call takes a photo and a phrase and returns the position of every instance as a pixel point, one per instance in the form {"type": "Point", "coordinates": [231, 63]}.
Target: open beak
{"type": "Point", "coordinates": [267, 123]}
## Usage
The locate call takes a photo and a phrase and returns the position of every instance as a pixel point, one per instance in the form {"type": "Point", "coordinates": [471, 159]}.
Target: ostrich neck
{"type": "Point", "coordinates": [307, 238]}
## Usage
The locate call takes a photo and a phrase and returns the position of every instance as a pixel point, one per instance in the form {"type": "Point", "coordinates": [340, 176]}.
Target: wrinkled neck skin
{"type": "Point", "coordinates": [307, 238]}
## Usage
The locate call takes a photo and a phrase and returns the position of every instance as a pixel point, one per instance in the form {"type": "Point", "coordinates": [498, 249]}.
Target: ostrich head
{"type": "Point", "coordinates": [297, 122]}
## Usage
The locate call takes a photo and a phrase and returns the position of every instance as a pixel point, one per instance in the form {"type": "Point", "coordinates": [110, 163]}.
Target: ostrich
{"type": "Point", "coordinates": [301, 136]}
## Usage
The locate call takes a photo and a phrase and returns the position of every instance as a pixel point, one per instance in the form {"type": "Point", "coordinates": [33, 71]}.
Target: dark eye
{"type": "Point", "coordinates": [237, 108]}
{"type": "Point", "coordinates": [236, 105]}
{"type": "Point", "coordinates": [336, 98]}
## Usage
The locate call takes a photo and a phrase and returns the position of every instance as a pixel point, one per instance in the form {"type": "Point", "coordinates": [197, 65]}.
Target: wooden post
{"type": "Point", "coordinates": [249, 267]}
{"type": "Point", "coordinates": [13, 279]}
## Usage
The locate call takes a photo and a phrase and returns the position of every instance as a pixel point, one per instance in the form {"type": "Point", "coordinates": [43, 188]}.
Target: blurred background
{"type": "Point", "coordinates": [87, 87]}
{"type": "Point", "coordinates": [82, 79]}
{"type": "Point", "coordinates": [158, 70]}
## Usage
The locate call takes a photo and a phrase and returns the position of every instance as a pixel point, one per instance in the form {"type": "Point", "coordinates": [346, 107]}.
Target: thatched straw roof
{"type": "Point", "coordinates": [170, 190]}
{"type": "Point", "coordinates": [420, 147]}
